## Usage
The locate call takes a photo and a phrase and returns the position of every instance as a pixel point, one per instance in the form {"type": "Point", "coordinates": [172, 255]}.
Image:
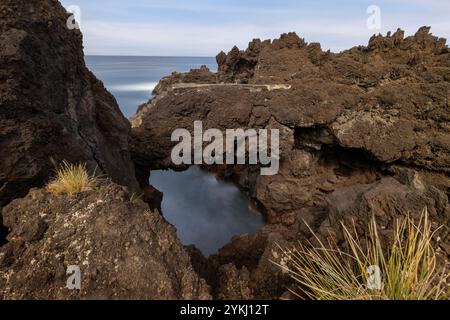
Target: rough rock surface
{"type": "Point", "coordinates": [365, 131]}
{"type": "Point", "coordinates": [361, 99]}
{"type": "Point", "coordinates": [51, 106]}
{"type": "Point", "coordinates": [124, 250]}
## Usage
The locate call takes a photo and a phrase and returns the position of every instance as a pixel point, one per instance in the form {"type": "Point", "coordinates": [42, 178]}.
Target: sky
{"type": "Point", "coordinates": [204, 28]}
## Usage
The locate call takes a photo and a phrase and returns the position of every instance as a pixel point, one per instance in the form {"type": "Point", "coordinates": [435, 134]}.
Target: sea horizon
{"type": "Point", "coordinates": [147, 56]}
{"type": "Point", "coordinates": [131, 79]}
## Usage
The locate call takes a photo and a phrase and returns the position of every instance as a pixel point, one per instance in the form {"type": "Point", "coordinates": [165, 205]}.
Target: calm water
{"type": "Point", "coordinates": [206, 212]}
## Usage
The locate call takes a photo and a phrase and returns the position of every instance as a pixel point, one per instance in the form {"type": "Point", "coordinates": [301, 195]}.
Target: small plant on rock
{"type": "Point", "coordinates": [407, 270]}
{"type": "Point", "coordinates": [135, 197]}
{"type": "Point", "coordinates": [71, 179]}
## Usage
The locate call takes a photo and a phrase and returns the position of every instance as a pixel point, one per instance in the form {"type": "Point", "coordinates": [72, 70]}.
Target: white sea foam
{"type": "Point", "coordinates": [134, 87]}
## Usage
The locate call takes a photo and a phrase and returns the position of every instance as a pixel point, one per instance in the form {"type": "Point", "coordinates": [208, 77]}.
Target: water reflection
{"type": "Point", "coordinates": [207, 212]}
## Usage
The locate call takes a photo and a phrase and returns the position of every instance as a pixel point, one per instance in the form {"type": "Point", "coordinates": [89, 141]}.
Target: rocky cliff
{"type": "Point", "coordinates": [363, 132]}
{"type": "Point", "coordinates": [51, 106]}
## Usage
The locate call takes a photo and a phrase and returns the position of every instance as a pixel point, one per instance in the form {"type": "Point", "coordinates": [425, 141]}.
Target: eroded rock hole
{"type": "Point", "coordinates": [207, 212]}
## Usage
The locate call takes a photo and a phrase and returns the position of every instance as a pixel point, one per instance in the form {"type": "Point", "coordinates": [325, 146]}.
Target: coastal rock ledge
{"type": "Point", "coordinates": [124, 250]}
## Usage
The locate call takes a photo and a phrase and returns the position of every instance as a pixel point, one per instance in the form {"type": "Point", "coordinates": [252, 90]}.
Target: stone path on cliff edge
{"type": "Point", "coordinates": [269, 87]}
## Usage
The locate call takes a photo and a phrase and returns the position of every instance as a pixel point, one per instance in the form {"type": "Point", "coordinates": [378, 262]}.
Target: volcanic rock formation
{"type": "Point", "coordinates": [51, 106]}
{"type": "Point", "coordinates": [363, 132]}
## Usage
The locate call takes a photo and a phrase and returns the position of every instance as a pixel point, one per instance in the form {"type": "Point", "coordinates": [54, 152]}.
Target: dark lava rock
{"type": "Point", "coordinates": [364, 98]}
{"type": "Point", "coordinates": [51, 106]}
{"type": "Point", "coordinates": [124, 249]}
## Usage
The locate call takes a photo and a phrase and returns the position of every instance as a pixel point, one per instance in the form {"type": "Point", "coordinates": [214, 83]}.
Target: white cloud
{"type": "Point", "coordinates": [191, 40]}
{"type": "Point", "coordinates": [163, 39]}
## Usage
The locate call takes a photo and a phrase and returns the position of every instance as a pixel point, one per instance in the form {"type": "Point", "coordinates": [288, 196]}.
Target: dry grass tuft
{"type": "Point", "coordinates": [71, 179]}
{"type": "Point", "coordinates": [406, 271]}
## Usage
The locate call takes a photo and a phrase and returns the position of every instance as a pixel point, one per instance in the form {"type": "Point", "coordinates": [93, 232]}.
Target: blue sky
{"type": "Point", "coordinates": [204, 28]}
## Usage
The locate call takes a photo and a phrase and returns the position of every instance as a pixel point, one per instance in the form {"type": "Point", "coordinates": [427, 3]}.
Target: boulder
{"type": "Point", "coordinates": [124, 250]}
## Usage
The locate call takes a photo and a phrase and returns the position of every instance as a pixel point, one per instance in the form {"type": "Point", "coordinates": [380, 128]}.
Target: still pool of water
{"type": "Point", "coordinates": [206, 211]}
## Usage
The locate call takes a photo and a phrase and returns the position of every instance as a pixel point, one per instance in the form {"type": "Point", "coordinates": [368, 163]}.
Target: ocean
{"type": "Point", "coordinates": [206, 212]}
{"type": "Point", "coordinates": [132, 79]}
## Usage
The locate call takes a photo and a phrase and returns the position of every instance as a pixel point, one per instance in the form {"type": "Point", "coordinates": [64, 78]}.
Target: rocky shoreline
{"type": "Point", "coordinates": [364, 133]}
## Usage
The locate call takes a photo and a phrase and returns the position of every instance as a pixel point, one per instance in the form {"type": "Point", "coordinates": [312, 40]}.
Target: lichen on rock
{"type": "Point", "coordinates": [124, 250]}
